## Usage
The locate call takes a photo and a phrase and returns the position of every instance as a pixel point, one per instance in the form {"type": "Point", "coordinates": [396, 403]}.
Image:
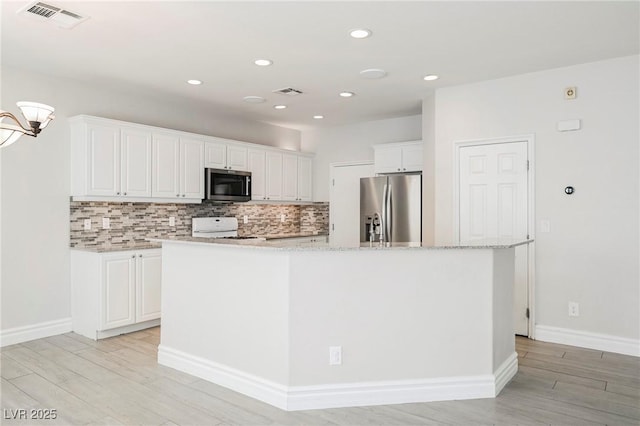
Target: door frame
{"type": "Point", "coordinates": [332, 167]}
{"type": "Point", "coordinates": [530, 141]}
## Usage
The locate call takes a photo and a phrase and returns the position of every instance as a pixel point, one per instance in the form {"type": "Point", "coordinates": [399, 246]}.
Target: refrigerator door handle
{"type": "Point", "coordinates": [389, 221]}
{"type": "Point", "coordinates": [385, 214]}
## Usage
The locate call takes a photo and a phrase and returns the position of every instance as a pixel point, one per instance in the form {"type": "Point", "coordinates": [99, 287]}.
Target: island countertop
{"type": "Point", "coordinates": [323, 246]}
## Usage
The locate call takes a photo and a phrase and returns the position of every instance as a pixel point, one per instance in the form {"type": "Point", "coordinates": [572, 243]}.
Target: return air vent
{"type": "Point", "coordinates": [289, 91]}
{"type": "Point", "coordinates": [56, 15]}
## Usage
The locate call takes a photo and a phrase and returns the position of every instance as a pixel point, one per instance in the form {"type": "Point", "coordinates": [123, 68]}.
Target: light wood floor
{"type": "Point", "coordinates": [117, 381]}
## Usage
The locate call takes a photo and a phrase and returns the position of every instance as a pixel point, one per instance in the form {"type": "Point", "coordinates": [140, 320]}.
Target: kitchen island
{"type": "Point", "coordinates": [317, 326]}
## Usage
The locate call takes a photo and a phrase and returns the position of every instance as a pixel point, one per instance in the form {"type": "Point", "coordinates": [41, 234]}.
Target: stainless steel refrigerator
{"type": "Point", "coordinates": [391, 208]}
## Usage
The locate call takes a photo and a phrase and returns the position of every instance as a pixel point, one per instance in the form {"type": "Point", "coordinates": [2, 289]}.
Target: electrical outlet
{"type": "Point", "coordinates": [245, 219]}
{"type": "Point", "coordinates": [574, 309]}
{"type": "Point", "coordinates": [335, 355]}
{"type": "Point", "coordinates": [172, 221]}
{"type": "Point", "coordinates": [106, 223]}
{"type": "Point", "coordinates": [282, 218]}
{"type": "Point", "coordinates": [87, 224]}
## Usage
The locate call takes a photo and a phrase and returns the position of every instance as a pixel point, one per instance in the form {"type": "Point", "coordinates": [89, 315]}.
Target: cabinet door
{"type": "Point", "coordinates": [136, 163]}
{"type": "Point", "coordinates": [274, 176]}
{"type": "Point", "coordinates": [305, 173]}
{"type": "Point", "coordinates": [237, 158]}
{"type": "Point", "coordinates": [412, 158]}
{"type": "Point", "coordinates": [103, 164]}
{"type": "Point", "coordinates": [148, 280]}
{"type": "Point", "coordinates": [118, 291]}
{"type": "Point", "coordinates": [215, 155]}
{"type": "Point", "coordinates": [256, 160]}
{"type": "Point", "coordinates": [388, 159]}
{"type": "Point", "coordinates": [165, 166]}
{"type": "Point", "coordinates": [289, 177]}
{"type": "Point", "coordinates": [191, 168]}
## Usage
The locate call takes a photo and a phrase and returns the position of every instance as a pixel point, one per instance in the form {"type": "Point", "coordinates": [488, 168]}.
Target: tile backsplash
{"type": "Point", "coordinates": [132, 223]}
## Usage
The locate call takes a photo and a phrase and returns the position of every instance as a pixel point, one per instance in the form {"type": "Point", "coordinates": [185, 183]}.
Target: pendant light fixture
{"type": "Point", "coordinates": [37, 115]}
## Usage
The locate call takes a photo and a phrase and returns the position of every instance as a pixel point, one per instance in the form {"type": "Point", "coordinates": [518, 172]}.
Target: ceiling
{"type": "Point", "coordinates": [155, 46]}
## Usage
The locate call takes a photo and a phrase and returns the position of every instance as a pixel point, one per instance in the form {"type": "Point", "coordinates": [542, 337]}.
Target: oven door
{"type": "Point", "coordinates": [227, 185]}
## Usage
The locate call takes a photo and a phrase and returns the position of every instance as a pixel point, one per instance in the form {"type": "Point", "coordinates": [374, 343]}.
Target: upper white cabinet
{"type": "Point", "coordinates": [398, 157]}
{"type": "Point", "coordinates": [224, 155]}
{"type": "Point", "coordinates": [296, 177]}
{"type": "Point", "coordinates": [118, 161]}
{"type": "Point", "coordinates": [110, 161]}
{"type": "Point", "coordinates": [178, 167]}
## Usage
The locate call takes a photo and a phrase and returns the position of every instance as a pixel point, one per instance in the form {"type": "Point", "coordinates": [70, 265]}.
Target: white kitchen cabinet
{"type": "Point", "coordinates": [109, 160]}
{"type": "Point", "coordinates": [400, 157]}
{"type": "Point", "coordinates": [256, 159]}
{"type": "Point", "coordinates": [273, 181]}
{"type": "Point", "coordinates": [221, 155]}
{"type": "Point", "coordinates": [115, 292]}
{"type": "Point", "coordinates": [178, 167]}
{"type": "Point", "coordinates": [296, 178]}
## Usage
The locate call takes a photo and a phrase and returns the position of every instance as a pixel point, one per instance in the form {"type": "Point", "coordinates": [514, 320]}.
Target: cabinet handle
{"type": "Point", "coordinates": [177, 195]}
{"type": "Point", "coordinates": [139, 255]}
{"type": "Point", "coordinates": [183, 195]}
{"type": "Point", "coordinates": [117, 193]}
{"type": "Point", "coordinates": [398, 169]}
{"type": "Point", "coordinates": [404, 170]}
{"type": "Point", "coordinates": [133, 256]}
{"type": "Point", "coordinates": [124, 193]}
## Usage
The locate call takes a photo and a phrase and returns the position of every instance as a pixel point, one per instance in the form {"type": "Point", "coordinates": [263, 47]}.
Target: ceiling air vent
{"type": "Point", "coordinates": [56, 15]}
{"type": "Point", "coordinates": [289, 91]}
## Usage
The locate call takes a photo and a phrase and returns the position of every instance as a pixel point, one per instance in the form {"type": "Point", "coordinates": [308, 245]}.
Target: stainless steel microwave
{"type": "Point", "coordinates": [227, 185]}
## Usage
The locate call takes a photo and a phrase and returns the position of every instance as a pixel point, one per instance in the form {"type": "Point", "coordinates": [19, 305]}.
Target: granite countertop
{"type": "Point", "coordinates": [144, 245]}
{"type": "Point", "coordinates": [288, 236]}
{"type": "Point", "coordinates": [323, 246]}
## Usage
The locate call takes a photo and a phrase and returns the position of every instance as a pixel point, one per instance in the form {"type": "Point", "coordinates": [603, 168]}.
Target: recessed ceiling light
{"type": "Point", "coordinates": [254, 99]}
{"type": "Point", "coordinates": [431, 77]}
{"type": "Point", "coordinates": [279, 106]}
{"type": "Point", "coordinates": [263, 62]}
{"type": "Point", "coordinates": [347, 94]}
{"type": "Point", "coordinates": [194, 82]}
{"type": "Point", "coordinates": [373, 73]}
{"type": "Point", "coordinates": [360, 33]}
{"type": "Point", "coordinates": [318, 117]}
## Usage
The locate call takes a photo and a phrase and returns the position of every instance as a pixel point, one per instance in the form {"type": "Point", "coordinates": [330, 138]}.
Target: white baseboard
{"type": "Point", "coordinates": [583, 339]}
{"type": "Point", "coordinates": [17, 335]}
{"type": "Point", "coordinates": [342, 395]}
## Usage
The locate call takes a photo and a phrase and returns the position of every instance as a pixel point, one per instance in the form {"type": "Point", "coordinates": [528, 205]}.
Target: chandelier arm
{"type": "Point", "coordinates": [24, 130]}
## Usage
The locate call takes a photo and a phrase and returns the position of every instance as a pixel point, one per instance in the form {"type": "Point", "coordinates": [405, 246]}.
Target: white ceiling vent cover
{"type": "Point", "coordinates": [56, 15]}
{"type": "Point", "coordinates": [289, 91]}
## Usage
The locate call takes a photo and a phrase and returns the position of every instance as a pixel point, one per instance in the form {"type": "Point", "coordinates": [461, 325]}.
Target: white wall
{"type": "Point", "coordinates": [591, 255]}
{"type": "Point", "coordinates": [36, 175]}
{"type": "Point", "coordinates": [353, 143]}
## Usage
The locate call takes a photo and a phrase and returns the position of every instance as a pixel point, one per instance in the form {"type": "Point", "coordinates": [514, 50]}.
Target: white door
{"type": "Point", "coordinates": [191, 168]}
{"type": "Point", "coordinates": [494, 204]}
{"type": "Point", "coordinates": [118, 291]}
{"type": "Point", "coordinates": [165, 166]}
{"type": "Point", "coordinates": [136, 163]}
{"type": "Point", "coordinates": [148, 283]}
{"type": "Point", "coordinates": [344, 203]}
{"type": "Point", "coordinates": [104, 160]}
{"type": "Point", "coordinates": [257, 167]}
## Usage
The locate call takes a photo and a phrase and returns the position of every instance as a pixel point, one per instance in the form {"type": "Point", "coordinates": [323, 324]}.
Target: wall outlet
{"type": "Point", "coordinates": [574, 309]}
{"type": "Point", "coordinates": [172, 221]}
{"type": "Point", "coordinates": [106, 223]}
{"type": "Point", "coordinates": [87, 224]}
{"type": "Point", "coordinates": [335, 355]}
{"type": "Point", "coordinates": [283, 217]}
{"type": "Point", "coordinates": [245, 219]}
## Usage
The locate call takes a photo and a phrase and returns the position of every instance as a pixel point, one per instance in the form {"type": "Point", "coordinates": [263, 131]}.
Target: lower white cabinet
{"type": "Point", "coordinates": [115, 292]}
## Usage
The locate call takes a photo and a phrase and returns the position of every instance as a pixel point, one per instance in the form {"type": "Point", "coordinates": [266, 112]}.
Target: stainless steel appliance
{"type": "Point", "coordinates": [391, 208]}
{"type": "Point", "coordinates": [227, 185]}
{"type": "Point", "coordinates": [217, 227]}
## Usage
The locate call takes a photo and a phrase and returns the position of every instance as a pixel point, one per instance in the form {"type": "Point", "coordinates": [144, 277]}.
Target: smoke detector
{"type": "Point", "coordinates": [56, 15]}
{"type": "Point", "coordinates": [289, 91]}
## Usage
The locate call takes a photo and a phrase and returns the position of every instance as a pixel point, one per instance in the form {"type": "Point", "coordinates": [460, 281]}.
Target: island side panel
{"type": "Point", "coordinates": [398, 315]}
{"type": "Point", "coordinates": [503, 332]}
{"type": "Point", "coordinates": [228, 306]}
